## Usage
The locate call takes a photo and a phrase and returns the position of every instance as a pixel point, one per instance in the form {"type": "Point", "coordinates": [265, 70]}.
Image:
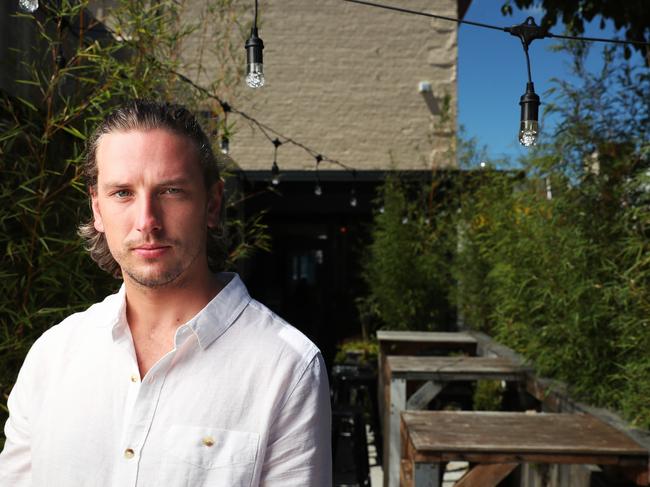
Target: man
{"type": "Point", "coordinates": [179, 379]}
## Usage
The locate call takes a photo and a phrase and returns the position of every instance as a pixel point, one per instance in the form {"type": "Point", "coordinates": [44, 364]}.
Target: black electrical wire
{"type": "Point", "coordinates": [494, 27]}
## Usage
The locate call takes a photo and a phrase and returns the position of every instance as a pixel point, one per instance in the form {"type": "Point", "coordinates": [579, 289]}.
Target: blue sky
{"type": "Point", "coordinates": [492, 74]}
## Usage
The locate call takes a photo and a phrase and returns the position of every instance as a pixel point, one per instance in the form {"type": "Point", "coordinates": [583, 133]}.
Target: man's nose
{"type": "Point", "coordinates": [148, 217]}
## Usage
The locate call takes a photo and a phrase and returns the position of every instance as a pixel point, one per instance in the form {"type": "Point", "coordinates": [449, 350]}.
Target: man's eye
{"type": "Point", "coordinates": [122, 193]}
{"type": "Point", "coordinates": [172, 190]}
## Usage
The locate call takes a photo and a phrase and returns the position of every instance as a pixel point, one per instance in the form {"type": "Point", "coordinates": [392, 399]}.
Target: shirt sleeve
{"type": "Point", "coordinates": [299, 450]}
{"type": "Point", "coordinates": [15, 458]}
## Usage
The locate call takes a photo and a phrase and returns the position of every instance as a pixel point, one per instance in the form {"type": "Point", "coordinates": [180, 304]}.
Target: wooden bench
{"type": "Point", "coordinates": [436, 372]}
{"type": "Point", "coordinates": [497, 442]}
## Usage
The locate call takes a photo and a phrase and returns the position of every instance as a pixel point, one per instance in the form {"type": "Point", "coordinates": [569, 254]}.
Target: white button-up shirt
{"type": "Point", "coordinates": [241, 400]}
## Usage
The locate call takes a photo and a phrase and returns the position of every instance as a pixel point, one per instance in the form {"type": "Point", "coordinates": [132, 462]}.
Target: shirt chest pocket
{"type": "Point", "coordinates": [211, 448]}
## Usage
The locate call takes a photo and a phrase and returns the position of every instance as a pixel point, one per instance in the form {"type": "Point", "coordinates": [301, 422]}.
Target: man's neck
{"type": "Point", "coordinates": [168, 307]}
{"type": "Point", "coordinates": [154, 314]}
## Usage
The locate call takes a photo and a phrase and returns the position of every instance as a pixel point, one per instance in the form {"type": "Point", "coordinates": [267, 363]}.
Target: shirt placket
{"type": "Point", "coordinates": [140, 418]}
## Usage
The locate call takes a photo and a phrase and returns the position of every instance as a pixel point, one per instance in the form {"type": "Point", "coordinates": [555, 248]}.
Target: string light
{"type": "Point", "coordinates": [353, 198]}
{"type": "Point", "coordinates": [318, 190]}
{"type": "Point", "coordinates": [60, 59]}
{"type": "Point", "coordinates": [29, 6]}
{"type": "Point", "coordinates": [224, 144]}
{"type": "Point", "coordinates": [527, 32]}
{"type": "Point", "coordinates": [275, 169]}
{"type": "Point", "coordinates": [353, 193]}
{"type": "Point", "coordinates": [254, 59]}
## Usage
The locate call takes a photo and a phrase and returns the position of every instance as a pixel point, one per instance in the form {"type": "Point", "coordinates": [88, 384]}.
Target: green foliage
{"type": "Point", "coordinates": [406, 267]}
{"type": "Point", "coordinates": [555, 265]}
{"type": "Point", "coordinates": [365, 352]}
{"type": "Point", "coordinates": [488, 395]}
{"type": "Point", "coordinates": [45, 273]}
{"type": "Point", "coordinates": [552, 260]}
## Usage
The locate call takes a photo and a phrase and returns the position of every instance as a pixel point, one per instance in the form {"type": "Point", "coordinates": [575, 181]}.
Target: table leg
{"type": "Point", "coordinates": [486, 475]}
{"type": "Point", "coordinates": [426, 475]}
{"type": "Point", "coordinates": [421, 398]}
{"type": "Point", "coordinates": [397, 405]}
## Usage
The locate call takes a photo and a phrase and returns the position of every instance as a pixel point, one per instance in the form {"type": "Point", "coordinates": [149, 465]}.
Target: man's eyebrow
{"type": "Point", "coordinates": [179, 181]}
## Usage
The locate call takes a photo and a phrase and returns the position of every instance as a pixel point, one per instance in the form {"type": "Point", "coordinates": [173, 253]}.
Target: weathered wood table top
{"type": "Point", "coordinates": [452, 368]}
{"type": "Point", "coordinates": [435, 434]}
{"type": "Point", "coordinates": [496, 442]}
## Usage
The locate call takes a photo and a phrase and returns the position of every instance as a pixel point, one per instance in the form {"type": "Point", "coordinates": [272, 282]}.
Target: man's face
{"type": "Point", "coordinates": [151, 203]}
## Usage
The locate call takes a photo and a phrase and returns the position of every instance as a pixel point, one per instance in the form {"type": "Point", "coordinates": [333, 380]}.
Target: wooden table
{"type": "Point", "coordinates": [498, 442]}
{"type": "Point", "coordinates": [419, 343]}
{"type": "Point", "coordinates": [437, 372]}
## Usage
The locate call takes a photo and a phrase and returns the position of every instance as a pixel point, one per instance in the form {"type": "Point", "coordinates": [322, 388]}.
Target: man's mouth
{"type": "Point", "coordinates": [151, 250]}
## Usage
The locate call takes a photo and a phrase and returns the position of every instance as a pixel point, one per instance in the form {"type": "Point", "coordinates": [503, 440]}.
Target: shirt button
{"type": "Point", "coordinates": [129, 453]}
{"type": "Point", "coordinates": [208, 441]}
{"type": "Point", "coordinates": [134, 378]}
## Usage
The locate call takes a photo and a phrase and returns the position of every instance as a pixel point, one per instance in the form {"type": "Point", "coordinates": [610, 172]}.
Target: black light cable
{"type": "Point", "coordinates": [495, 27]}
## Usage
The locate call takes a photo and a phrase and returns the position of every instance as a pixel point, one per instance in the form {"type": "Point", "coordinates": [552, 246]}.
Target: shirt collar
{"type": "Point", "coordinates": [209, 323]}
{"type": "Point", "coordinates": [217, 316]}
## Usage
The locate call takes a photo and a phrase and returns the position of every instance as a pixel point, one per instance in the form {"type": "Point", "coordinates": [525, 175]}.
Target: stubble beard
{"type": "Point", "coordinates": [168, 277]}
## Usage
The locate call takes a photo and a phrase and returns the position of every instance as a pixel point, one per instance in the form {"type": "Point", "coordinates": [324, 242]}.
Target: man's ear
{"type": "Point", "coordinates": [97, 216]}
{"type": "Point", "coordinates": [215, 199]}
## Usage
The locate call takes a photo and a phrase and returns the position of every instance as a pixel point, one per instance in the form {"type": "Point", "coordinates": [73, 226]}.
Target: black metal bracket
{"type": "Point", "coordinates": [528, 31]}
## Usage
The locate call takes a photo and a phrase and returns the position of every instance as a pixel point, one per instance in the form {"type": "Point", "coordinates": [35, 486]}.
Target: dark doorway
{"type": "Point", "coordinates": [311, 277]}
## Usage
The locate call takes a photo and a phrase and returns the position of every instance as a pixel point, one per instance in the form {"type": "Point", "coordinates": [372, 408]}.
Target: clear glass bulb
{"type": "Point", "coordinates": [255, 76]}
{"type": "Point", "coordinates": [275, 180]}
{"type": "Point", "coordinates": [225, 145]}
{"type": "Point", "coordinates": [528, 132]}
{"type": "Point", "coordinates": [405, 220]}
{"type": "Point", "coordinates": [353, 201]}
{"type": "Point", "coordinates": [381, 209]}
{"type": "Point", "coordinates": [318, 190]}
{"type": "Point", "coordinates": [29, 6]}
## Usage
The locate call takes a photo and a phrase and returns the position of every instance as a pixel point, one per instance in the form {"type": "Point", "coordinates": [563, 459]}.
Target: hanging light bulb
{"type": "Point", "coordinates": [405, 219]}
{"type": "Point", "coordinates": [529, 126]}
{"type": "Point", "coordinates": [60, 59]}
{"type": "Point", "coordinates": [527, 32]}
{"type": "Point", "coordinates": [275, 169]}
{"type": "Point", "coordinates": [275, 174]}
{"type": "Point", "coordinates": [353, 198]}
{"type": "Point", "coordinates": [318, 190]}
{"type": "Point", "coordinates": [29, 6]}
{"type": "Point", "coordinates": [254, 59]}
{"type": "Point", "coordinates": [225, 144]}
{"type": "Point", "coordinates": [382, 209]}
